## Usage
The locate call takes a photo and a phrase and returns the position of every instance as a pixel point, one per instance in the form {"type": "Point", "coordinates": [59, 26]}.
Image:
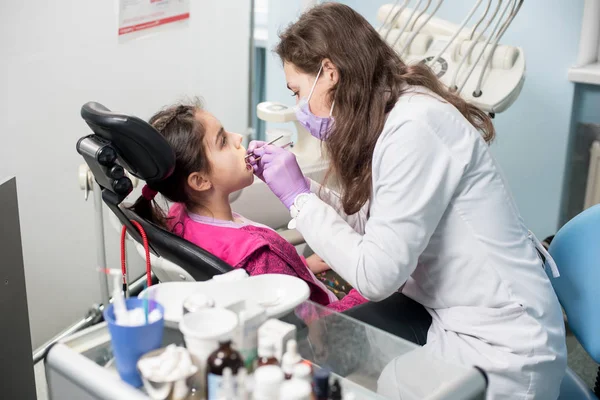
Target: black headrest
{"type": "Point", "coordinates": [142, 150]}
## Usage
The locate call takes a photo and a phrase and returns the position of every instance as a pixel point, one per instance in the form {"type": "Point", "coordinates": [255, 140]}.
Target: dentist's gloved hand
{"type": "Point", "coordinates": [281, 172]}
{"type": "Point", "coordinates": [258, 168]}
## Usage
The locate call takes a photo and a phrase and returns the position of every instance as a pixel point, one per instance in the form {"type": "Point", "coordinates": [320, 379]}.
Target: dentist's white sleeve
{"type": "Point", "coordinates": [357, 221]}
{"type": "Point", "coordinates": [414, 178]}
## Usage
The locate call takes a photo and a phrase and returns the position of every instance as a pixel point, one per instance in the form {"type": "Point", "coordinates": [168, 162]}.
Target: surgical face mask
{"type": "Point", "coordinates": [319, 127]}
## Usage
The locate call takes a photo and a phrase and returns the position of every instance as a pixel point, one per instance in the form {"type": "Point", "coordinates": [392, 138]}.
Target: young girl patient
{"type": "Point", "coordinates": [210, 165]}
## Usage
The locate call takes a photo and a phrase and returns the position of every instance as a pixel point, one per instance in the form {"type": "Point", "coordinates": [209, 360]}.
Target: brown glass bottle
{"type": "Point", "coordinates": [225, 356]}
{"type": "Point", "coordinates": [266, 353]}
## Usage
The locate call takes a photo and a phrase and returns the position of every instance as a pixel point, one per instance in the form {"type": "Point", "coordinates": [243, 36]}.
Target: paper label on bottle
{"type": "Point", "coordinates": [214, 386]}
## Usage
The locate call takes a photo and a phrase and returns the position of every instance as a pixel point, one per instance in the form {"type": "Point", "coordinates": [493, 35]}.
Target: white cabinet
{"type": "Point", "coordinates": [587, 67]}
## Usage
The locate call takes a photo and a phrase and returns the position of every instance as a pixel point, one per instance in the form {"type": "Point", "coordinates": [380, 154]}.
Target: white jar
{"type": "Point", "coordinates": [302, 372]}
{"type": "Point", "coordinates": [267, 382]}
{"type": "Point", "coordinates": [295, 389]}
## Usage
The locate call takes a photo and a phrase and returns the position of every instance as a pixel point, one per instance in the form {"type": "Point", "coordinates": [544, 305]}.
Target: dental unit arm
{"type": "Point", "coordinates": [485, 73]}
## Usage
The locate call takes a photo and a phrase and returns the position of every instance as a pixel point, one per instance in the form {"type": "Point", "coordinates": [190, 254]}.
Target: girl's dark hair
{"type": "Point", "coordinates": [185, 134]}
{"type": "Point", "coordinates": [368, 70]}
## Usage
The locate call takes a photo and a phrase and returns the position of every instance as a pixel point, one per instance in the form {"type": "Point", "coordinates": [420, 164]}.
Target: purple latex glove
{"type": "Point", "coordinates": [281, 172]}
{"type": "Point", "coordinates": [257, 167]}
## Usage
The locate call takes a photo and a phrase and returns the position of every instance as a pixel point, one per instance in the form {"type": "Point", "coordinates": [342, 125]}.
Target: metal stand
{"type": "Point", "coordinates": [94, 314]}
{"type": "Point", "coordinates": [100, 245]}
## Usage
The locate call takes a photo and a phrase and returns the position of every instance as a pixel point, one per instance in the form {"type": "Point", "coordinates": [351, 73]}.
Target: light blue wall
{"type": "Point", "coordinates": [533, 134]}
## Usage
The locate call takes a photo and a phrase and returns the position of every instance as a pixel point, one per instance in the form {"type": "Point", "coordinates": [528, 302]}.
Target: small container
{"type": "Point", "coordinates": [335, 391]}
{"type": "Point", "coordinates": [167, 387]}
{"type": "Point", "coordinates": [267, 382]}
{"type": "Point", "coordinates": [290, 359]}
{"type": "Point", "coordinates": [224, 357]}
{"type": "Point", "coordinates": [295, 389]}
{"type": "Point", "coordinates": [302, 372]}
{"type": "Point", "coordinates": [129, 343]}
{"type": "Point", "coordinates": [242, 385]}
{"type": "Point", "coordinates": [227, 389]}
{"type": "Point", "coordinates": [266, 352]}
{"type": "Point", "coordinates": [280, 332]}
{"type": "Point", "coordinates": [203, 330]}
{"type": "Point", "coordinates": [197, 301]}
{"type": "Point", "coordinates": [246, 337]}
{"type": "Point", "coordinates": [321, 384]}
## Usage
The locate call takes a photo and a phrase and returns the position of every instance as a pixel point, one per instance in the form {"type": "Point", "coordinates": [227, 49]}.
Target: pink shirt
{"type": "Point", "coordinates": [256, 248]}
{"type": "Point", "coordinates": [246, 222]}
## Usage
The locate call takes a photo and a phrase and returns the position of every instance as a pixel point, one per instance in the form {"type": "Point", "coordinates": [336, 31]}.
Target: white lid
{"type": "Point", "coordinates": [198, 301]}
{"type": "Point", "coordinates": [295, 389]}
{"type": "Point", "coordinates": [302, 371]}
{"type": "Point", "coordinates": [209, 323]}
{"type": "Point", "coordinates": [291, 346]}
{"type": "Point", "coordinates": [291, 356]}
{"type": "Point", "coordinates": [266, 347]}
{"type": "Point", "coordinates": [267, 381]}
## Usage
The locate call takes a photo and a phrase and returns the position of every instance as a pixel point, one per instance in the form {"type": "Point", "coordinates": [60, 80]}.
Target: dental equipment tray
{"type": "Point", "coordinates": [369, 363]}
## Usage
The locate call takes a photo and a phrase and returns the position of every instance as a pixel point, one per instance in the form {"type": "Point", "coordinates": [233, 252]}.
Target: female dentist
{"type": "Point", "coordinates": [423, 207]}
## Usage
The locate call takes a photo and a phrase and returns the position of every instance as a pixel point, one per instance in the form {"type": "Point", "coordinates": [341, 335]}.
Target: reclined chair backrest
{"type": "Point", "coordinates": [125, 142]}
{"type": "Point", "coordinates": [576, 251]}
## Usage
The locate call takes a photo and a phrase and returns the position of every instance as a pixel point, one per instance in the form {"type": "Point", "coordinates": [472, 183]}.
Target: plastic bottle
{"type": "Point", "coordinates": [335, 391]}
{"type": "Point", "coordinates": [224, 357]}
{"type": "Point", "coordinates": [303, 372]}
{"type": "Point", "coordinates": [290, 358]}
{"type": "Point", "coordinates": [227, 389]}
{"type": "Point", "coordinates": [295, 389]}
{"type": "Point", "coordinates": [266, 352]}
{"type": "Point", "coordinates": [242, 385]}
{"type": "Point", "coordinates": [321, 384]}
{"type": "Point", "coordinates": [267, 382]}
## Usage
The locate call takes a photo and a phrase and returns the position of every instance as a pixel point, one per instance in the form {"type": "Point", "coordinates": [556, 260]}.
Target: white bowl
{"type": "Point", "coordinates": [203, 330]}
{"type": "Point", "coordinates": [277, 294]}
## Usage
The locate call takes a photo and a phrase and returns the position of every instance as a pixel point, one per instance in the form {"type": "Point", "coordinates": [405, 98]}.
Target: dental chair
{"type": "Point", "coordinates": [121, 142]}
{"type": "Point", "coordinates": [576, 251]}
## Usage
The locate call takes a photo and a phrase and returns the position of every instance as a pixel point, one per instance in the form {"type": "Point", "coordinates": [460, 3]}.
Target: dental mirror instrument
{"type": "Point", "coordinates": [452, 86]}
{"type": "Point", "coordinates": [416, 32]}
{"type": "Point", "coordinates": [460, 28]}
{"type": "Point", "coordinates": [514, 13]}
{"type": "Point", "coordinates": [271, 142]}
{"type": "Point", "coordinates": [474, 64]}
{"type": "Point", "coordinates": [406, 25]}
{"type": "Point", "coordinates": [283, 147]}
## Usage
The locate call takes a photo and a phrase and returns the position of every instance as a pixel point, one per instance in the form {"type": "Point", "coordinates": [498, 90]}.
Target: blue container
{"type": "Point", "coordinates": [129, 343]}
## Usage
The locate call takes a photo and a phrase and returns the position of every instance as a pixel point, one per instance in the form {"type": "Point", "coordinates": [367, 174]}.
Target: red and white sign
{"type": "Point", "coordinates": [138, 15]}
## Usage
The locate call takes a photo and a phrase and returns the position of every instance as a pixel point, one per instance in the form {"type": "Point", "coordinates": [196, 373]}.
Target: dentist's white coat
{"type": "Point", "coordinates": [442, 222]}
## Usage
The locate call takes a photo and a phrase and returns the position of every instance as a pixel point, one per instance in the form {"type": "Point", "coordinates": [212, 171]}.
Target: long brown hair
{"type": "Point", "coordinates": [185, 134]}
{"type": "Point", "coordinates": [371, 79]}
